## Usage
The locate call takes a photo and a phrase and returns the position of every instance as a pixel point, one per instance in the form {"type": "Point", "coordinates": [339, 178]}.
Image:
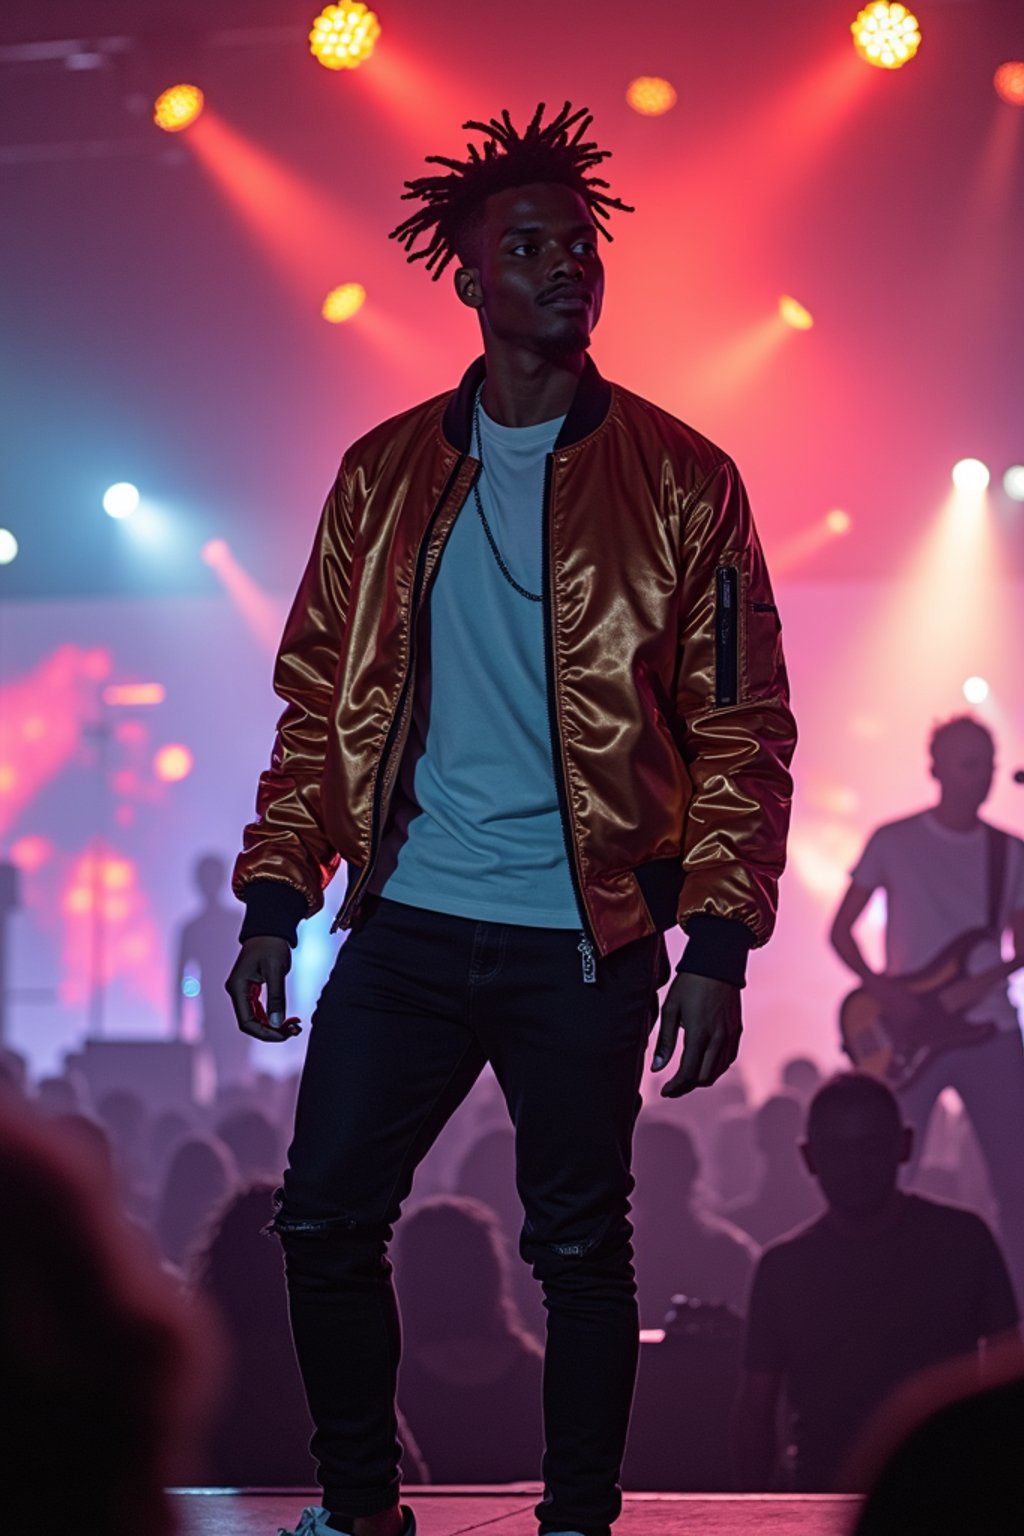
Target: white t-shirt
{"type": "Point", "coordinates": [936, 887]}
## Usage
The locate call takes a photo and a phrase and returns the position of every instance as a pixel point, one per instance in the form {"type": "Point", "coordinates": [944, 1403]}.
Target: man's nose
{"type": "Point", "coordinates": [566, 263]}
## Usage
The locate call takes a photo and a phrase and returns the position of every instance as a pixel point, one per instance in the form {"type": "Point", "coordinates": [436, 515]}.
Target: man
{"type": "Point", "coordinates": [882, 1286]}
{"type": "Point", "coordinates": [205, 943]}
{"type": "Point", "coordinates": [535, 699]}
{"type": "Point", "coordinates": [945, 872]}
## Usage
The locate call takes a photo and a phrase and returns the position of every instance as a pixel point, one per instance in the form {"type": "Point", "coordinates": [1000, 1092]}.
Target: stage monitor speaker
{"type": "Point", "coordinates": [161, 1072]}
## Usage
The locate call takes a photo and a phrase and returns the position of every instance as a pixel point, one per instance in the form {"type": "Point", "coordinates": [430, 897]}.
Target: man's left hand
{"type": "Point", "coordinates": [709, 1014]}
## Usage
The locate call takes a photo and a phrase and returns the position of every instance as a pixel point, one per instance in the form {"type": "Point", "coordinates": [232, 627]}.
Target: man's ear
{"type": "Point", "coordinates": [467, 286]}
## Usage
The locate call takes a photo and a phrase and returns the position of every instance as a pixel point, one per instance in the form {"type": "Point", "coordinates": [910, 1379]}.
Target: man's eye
{"type": "Point", "coordinates": [526, 247]}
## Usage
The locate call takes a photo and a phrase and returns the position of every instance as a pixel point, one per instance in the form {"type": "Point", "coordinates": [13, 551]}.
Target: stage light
{"type": "Point", "coordinates": [190, 986]}
{"type": "Point", "coordinates": [975, 690]}
{"type": "Point", "coordinates": [120, 500]}
{"type": "Point", "coordinates": [215, 552]}
{"type": "Point", "coordinates": [1009, 83]}
{"type": "Point", "coordinates": [1013, 482]}
{"type": "Point", "coordinates": [838, 522]}
{"type": "Point", "coordinates": [971, 475]}
{"type": "Point", "coordinates": [31, 853]}
{"type": "Point", "coordinates": [887, 36]}
{"type": "Point", "coordinates": [133, 695]}
{"type": "Point", "coordinates": [343, 302]}
{"type": "Point", "coordinates": [344, 36]}
{"type": "Point", "coordinates": [177, 107]}
{"type": "Point", "coordinates": [794, 313]}
{"type": "Point", "coordinates": [8, 546]}
{"type": "Point", "coordinates": [173, 763]}
{"type": "Point", "coordinates": [651, 96]}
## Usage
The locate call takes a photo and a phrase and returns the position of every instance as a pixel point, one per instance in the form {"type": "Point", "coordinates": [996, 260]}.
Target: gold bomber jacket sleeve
{"type": "Point", "coordinates": [286, 842]}
{"type": "Point", "coordinates": [733, 699]}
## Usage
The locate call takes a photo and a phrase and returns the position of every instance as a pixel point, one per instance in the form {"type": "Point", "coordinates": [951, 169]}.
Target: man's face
{"type": "Point", "coordinates": [855, 1156]}
{"type": "Point", "coordinates": [537, 279]}
{"type": "Point", "coordinates": [963, 766]}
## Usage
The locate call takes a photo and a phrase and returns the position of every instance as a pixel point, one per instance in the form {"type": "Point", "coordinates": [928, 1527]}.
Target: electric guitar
{"type": "Point", "coordinates": [897, 1050]}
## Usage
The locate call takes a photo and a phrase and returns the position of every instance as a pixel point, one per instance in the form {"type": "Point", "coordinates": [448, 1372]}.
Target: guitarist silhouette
{"type": "Point", "coordinates": [940, 1015]}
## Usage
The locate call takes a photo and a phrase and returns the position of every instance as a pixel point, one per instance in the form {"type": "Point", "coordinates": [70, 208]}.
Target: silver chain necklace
{"type": "Point", "coordinates": [533, 597]}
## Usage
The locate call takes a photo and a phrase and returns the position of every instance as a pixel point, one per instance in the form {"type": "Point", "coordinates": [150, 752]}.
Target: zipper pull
{"type": "Point", "coordinates": [586, 950]}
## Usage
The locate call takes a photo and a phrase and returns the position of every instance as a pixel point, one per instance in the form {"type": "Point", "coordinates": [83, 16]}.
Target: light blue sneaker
{"type": "Point", "coordinates": [313, 1522]}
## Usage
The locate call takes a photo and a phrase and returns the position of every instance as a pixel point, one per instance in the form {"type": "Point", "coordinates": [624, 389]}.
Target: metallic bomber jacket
{"type": "Point", "coordinates": [667, 693]}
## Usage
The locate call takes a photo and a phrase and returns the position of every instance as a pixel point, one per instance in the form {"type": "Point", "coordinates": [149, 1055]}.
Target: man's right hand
{"type": "Point", "coordinates": [262, 962]}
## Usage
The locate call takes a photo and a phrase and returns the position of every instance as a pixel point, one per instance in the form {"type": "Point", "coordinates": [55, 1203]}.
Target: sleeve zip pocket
{"type": "Point", "coordinates": [727, 596]}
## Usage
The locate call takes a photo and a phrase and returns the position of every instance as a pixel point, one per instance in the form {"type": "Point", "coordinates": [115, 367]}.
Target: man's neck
{"type": "Point", "coordinates": [956, 818]}
{"type": "Point", "coordinates": [523, 388]}
{"type": "Point", "coordinates": [868, 1223]}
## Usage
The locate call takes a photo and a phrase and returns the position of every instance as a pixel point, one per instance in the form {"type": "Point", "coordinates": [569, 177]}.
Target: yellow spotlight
{"type": "Point", "coordinates": [971, 475]}
{"type": "Point", "coordinates": [887, 36]}
{"type": "Point", "coordinates": [794, 313]}
{"type": "Point", "coordinates": [343, 36]}
{"type": "Point", "coordinates": [1009, 82]}
{"type": "Point", "coordinates": [838, 522]}
{"type": "Point", "coordinates": [651, 96]}
{"type": "Point", "coordinates": [177, 107]}
{"type": "Point", "coordinates": [344, 302]}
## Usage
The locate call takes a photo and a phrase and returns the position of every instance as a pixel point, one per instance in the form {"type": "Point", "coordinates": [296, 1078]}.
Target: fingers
{"type": "Point", "coordinates": [668, 1034]}
{"type": "Point", "coordinates": [262, 962]}
{"type": "Point", "coordinates": [710, 1017]}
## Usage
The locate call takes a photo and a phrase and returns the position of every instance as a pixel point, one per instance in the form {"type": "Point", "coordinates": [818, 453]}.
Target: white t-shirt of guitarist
{"type": "Point", "coordinates": [936, 888]}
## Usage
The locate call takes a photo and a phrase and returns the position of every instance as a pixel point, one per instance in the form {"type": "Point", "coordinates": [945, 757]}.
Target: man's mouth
{"type": "Point", "coordinates": [569, 298]}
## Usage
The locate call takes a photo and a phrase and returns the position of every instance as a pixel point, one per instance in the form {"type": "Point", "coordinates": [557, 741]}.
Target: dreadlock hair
{"type": "Point", "coordinates": [454, 203]}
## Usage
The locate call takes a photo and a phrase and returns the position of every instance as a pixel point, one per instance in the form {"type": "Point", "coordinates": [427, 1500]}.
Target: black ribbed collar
{"type": "Point", "coordinates": [589, 406]}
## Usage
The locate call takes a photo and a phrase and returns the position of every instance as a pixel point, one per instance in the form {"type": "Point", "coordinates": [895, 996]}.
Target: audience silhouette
{"type": "Point", "coordinates": [98, 1356]}
{"type": "Point", "coordinates": [785, 1194]}
{"type": "Point", "coordinates": [955, 1463]}
{"type": "Point", "coordinates": [487, 1172]}
{"type": "Point", "coordinates": [200, 1174]}
{"type": "Point", "coordinates": [679, 1247]}
{"type": "Point", "coordinates": [470, 1380]}
{"type": "Point", "coordinates": [882, 1286]}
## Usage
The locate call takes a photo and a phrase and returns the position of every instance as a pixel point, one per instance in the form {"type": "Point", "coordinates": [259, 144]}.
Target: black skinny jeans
{"type": "Point", "coordinates": [416, 1004]}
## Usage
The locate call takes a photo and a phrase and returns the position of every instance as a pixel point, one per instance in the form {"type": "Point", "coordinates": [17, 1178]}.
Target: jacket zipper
{"type": "Point", "coordinates": [586, 943]}
{"type": "Point", "coordinates": [727, 585]}
{"type": "Point", "coordinates": [398, 718]}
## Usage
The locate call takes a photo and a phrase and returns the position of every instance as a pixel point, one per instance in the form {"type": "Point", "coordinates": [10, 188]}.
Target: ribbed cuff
{"type": "Point", "coordinates": [716, 947]}
{"type": "Point", "coordinates": [273, 909]}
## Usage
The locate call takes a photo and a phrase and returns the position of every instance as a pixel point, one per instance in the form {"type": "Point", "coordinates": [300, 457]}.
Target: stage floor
{"type": "Point", "coordinates": [509, 1512]}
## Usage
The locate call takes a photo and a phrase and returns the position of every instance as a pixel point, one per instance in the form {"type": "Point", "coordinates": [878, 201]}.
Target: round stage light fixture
{"type": "Point", "coordinates": [121, 500]}
{"type": "Point", "coordinates": [177, 107]}
{"type": "Point", "coordinates": [975, 690]}
{"type": "Point", "coordinates": [343, 302]}
{"type": "Point", "coordinates": [1009, 82]}
{"type": "Point", "coordinates": [8, 546]}
{"type": "Point", "coordinates": [1013, 482]}
{"type": "Point", "coordinates": [651, 96]}
{"type": "Point", "coordinates": [344, 36]}
{"type": "Point", "coordinates": [173, 763]}
{"type": "Point", "coordinates": [887, 36]}
{"type": "Point", "coordinates": [838, 522]}
{"type": "Point", "coordinates": [794, 313]}
{"type": "Point", "coordinates": [971, 475]}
